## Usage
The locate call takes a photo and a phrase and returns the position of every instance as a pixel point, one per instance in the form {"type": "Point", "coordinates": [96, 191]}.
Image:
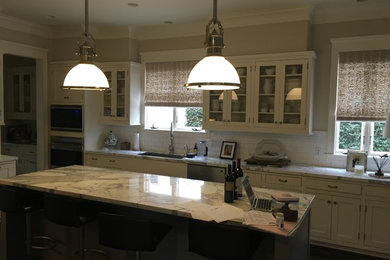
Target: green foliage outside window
{"type": "Point", "coordinates": [380, 144]}
{"type": "Point", "coordinates": [194, 116]}
{"type": "Point", "coordinates": [350, 135]}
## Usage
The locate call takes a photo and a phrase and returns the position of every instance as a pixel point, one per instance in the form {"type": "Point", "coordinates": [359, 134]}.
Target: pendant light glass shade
{"type": "Point", "coordinates": [86, 75]}
{"type": "Point", "coordinates": [213, 72]}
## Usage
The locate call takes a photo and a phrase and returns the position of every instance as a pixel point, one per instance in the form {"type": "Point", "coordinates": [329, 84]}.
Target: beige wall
{"type": "Point", "coordinates": [320, 41]}
{"type": "Point", "coordinates": [24, 38]}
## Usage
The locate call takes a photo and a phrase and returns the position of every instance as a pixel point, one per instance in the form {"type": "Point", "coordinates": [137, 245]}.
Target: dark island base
{"type": "Point", "coordinates": [173, 246]}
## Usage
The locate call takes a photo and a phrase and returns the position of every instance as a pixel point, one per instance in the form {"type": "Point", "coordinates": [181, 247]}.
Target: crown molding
{"type": "Point", "coordinates": [12, 23]}
{"type": "Point", "coordinates": [98, 32]}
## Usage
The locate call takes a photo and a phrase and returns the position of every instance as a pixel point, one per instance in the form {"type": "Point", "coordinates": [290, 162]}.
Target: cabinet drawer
{"type": "Point", "coordinates": [336, 186]}
{"type": "Point", "coordinates": [378, 191]}
{"type": "Point", "coordinates": [285, 180]}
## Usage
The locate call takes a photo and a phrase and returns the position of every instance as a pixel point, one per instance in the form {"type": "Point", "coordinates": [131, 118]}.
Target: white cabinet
{"type": "Point", "coordinates": [20, 88]}
{"type": "Point", "coordinates": [121, 104]}
{"type": "Point", "coordinates": [336, 210]}
{"type": "Point", "coordinates": [137, 164]}
{"type": "Point", "coordinates": [255, 178]}
{"type": "Point", "coordinates": [377, 227]}
{"type": "Point", "coordinates": [283, 182]}
{"type": "Point", "coordinates": [228, 108]}
{"type": "Point", "coordinates": [7, 169]}
{"type": "Point", "coordinates": [27, 156]}
{"type": "Point", "coordinates": [1, 90]}
{"type": "Point", "coordinates": [58, 95]}
{"type": "Point", "coordinates": [275, 95]}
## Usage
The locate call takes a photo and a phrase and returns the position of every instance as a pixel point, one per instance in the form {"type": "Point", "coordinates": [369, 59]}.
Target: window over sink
{"type": "Point", "coordinates": [167, 100]}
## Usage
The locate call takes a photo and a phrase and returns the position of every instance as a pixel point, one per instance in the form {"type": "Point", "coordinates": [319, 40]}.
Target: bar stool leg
{"type": "Point", "coordinates": [28, 235]}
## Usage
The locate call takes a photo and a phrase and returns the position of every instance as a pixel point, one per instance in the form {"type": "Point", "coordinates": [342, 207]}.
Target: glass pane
{"type": "Point", "coordinates": [16, 93]}
{"type": "Point", "coordinates": [107, 96]}
{"type": "Point", "coordinates": [350, 135]}
{"type": "Point", "coordinates": [27, 93]}
{"type": "Point", "coordinates": [158, 117]}
{"type": "Point", "coordinates": [216, 105]}
{"type": "Point", "coordinates": [120, 93]}
{"type": "Point", "coordinates": [238, 103]}
{"type": "Point", "coordinates": [189, 118]}
{"type": "Point", "coordinates": [380, 144]}
{"type": "Point", "coordinates": [292, 94]}
{"type": "Point", "coordinates": [266, 106]}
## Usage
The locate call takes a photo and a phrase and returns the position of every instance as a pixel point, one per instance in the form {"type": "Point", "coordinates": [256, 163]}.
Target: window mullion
{"type": "Point", "coordinates": [365, 136]}
{"type": "Point", "coordinates": [174, 118]}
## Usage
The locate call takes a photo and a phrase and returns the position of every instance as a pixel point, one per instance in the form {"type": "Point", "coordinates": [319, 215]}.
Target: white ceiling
{"type": "Point", "coordinates": [55, 13]}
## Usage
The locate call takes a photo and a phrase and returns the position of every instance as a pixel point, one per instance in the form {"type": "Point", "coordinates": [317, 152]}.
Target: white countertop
{"type": "Point", "coordinates": [7, 158]}
{"type": "Point", "coordinates": [307, 170]}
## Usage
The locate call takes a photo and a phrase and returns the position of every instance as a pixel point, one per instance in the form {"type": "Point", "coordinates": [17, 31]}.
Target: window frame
{"type": "Point", "coordinates": [374, 42]}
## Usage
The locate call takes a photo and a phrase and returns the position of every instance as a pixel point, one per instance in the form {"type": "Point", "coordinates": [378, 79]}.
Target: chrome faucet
{"type": "Point", "coordinates": [171, 149]}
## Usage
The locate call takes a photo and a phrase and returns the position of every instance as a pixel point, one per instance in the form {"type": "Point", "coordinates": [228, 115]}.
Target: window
{"type": "Point", "coordinates": [167, 100]}
{"type": "Point", "coordinates": [362, 101]}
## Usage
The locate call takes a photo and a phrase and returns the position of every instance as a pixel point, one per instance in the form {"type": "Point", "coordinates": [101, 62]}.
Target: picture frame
{"type": "Point", "coordinates": [228, 150]}
{"type": "Point", "coordinates": [356, 157]}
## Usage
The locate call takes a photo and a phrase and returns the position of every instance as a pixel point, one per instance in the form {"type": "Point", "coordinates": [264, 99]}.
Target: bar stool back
{"type": "Point", "coordinates": [24, 202]}
{"type": "Point", "coordinates": [128, 233]}
{"type": "Point", "coordinates": [72, 213]}
{"type": "Point", "coordinates": [221, 241]}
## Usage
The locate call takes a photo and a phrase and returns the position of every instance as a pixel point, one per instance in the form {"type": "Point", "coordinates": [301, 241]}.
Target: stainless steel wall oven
{"type": "Point", "coordinates": [66, 151]}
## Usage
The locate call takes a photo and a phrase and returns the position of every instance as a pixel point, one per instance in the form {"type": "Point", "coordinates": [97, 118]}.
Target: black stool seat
{"type": "Point", "coordinates": [19, 201]}
{"type": "Point", "coordinates": [128, 233]}
{"type": "Point", "coordinates": [221, 241]}
{"type": "Point", "coordinates": [68, 211]}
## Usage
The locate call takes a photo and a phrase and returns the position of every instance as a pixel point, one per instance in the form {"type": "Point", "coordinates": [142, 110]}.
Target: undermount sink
{"type": "Point", "coordinates": [164, 155]}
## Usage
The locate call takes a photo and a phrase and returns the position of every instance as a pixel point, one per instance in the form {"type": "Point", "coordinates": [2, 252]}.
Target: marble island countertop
{"type": "Point", "coordinates": [174, 196]}
{"type": "Point", "coordinates": [306, 170]}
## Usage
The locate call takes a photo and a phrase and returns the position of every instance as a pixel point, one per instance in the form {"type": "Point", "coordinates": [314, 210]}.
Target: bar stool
{"type": "Point", "coordinates": [14, 201]}
{"type": "Point", "coordinates": [221, 241]}
{"type": "Point", "coordinates": [129, 233]}
{"type": "Point", "coordinates": [72, 213]}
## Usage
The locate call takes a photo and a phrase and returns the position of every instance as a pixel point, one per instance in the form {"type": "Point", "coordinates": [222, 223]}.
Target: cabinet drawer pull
{"type": "Point", "coordinates": [333, 186]}
{"type": "Point", "coordinates": [281, 180]}
{"type": "Point", "coordinates": [111, 160]}
{"type": "Point", "coordinates": [94, 159]}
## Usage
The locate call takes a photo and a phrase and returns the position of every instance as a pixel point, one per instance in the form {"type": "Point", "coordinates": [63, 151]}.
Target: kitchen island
{"type": "Point", "coordinates": [177, 197]}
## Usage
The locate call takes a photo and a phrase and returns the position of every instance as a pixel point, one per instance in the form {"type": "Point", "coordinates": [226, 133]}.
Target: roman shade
{"type": "Point", "coordinates": [363, 85]}
{"type": "Point", "coordinates": [164, 85]}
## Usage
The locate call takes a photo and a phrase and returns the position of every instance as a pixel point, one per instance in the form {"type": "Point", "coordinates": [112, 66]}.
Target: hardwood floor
{"type": "Point", "coordinates": [324, 253]}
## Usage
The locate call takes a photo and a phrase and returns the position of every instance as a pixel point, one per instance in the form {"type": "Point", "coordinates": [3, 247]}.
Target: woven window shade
{"type": "Point", "coordinates": [164, 85]}
{"type": "Point", "coordinates": [363, 85]}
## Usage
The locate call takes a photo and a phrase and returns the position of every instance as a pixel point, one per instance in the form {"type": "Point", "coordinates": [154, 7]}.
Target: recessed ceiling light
{"type": "Point", "coordinates": [361, 1]}
{"type": "Point", "coordinates": [133, 4]}
{"type": "Point", "coordinates": [51, 16]}
{"type": "Point", "coordinates": [168, 22]}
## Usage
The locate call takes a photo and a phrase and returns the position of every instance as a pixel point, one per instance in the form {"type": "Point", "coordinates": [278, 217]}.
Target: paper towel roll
{"type": "Point", "coordinates": [136, 142]}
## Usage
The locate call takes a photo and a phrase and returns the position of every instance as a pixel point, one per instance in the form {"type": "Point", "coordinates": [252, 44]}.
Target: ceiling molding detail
{"type": "Point", "coordinates": [12, 23]}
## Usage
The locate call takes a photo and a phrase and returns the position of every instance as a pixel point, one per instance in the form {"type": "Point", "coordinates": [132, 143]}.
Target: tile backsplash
{"type": "Point", "coordinates": [301, 149]}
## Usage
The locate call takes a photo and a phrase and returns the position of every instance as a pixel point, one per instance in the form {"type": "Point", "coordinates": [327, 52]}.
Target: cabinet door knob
{"type": "Point", "coordinates": [329, 202]}
{"type": "Point", "coordinates": [335, 202]}
{"type": "Point", "coordinates": [333, 186]}
{"type": "Point", "coordinates": [281, 180]}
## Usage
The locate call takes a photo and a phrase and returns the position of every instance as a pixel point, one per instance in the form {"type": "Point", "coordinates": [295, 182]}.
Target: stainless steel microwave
{"type": "Point", "coordinates": [66, 118]}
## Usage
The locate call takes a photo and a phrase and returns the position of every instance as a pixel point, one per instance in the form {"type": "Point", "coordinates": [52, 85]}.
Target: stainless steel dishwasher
{"type": "Point", "coordinates": [206, 173]}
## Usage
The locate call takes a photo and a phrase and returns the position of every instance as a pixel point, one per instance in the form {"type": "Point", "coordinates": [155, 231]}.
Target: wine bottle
{"type": "Point", "coordinates": [240, 175]}
{"type": "Point", "coordinates": [229, 185]}
{"type": "Point", "coordinates": [234, 172]}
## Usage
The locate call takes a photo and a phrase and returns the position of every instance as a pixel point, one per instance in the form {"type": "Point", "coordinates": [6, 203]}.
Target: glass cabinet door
{"type": "Point", "coordinates": [292, 93]}
{"type": "Point", "coordinates": [27, 93]}
{"type": "Point", "coordinates": [120, 93]}
{"type": "Point", "coordinates": [107, 104]}
{"type": "Point", "coordinates": [216, 106]}
{"type": "Point", "coordinates": [266, 94]}
{"type": "Point", "coordinates": [238, 97]}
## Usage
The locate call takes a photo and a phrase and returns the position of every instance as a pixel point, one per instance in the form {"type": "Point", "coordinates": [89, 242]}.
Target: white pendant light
{"type": "Point", "coordinates": [213, 72]}
{"type": "Point", "coordinates": [86, 75]}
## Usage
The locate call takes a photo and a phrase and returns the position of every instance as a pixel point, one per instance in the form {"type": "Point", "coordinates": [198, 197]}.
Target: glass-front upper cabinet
{"type": "Point", "coordinates": [228, 107]}
{"type": "Point", "coordinates": [20, 82]}
{"type": "Point", "coordinates": [279, 94]}
{"type": "Point", "coordinates": [121, 102]}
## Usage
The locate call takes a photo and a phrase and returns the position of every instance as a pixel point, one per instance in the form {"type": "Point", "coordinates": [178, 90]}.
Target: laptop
{"type": "Point", "coordinates": [256, 203]}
